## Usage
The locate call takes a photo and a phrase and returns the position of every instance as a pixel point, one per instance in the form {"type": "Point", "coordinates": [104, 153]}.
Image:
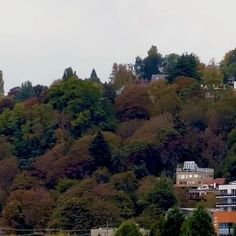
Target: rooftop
{"type": "Point", "coordinates": [191, 166]}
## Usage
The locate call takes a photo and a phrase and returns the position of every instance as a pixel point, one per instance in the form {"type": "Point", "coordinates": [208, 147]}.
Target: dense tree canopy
{"type": "Point", "coordinates": [81, 152]}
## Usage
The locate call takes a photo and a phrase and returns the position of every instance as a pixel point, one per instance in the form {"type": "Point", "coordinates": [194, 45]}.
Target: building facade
{"type": "Point", "coordinates": [224, 222]}
{"type": "Point", "coordinates": [226, 203]}
{"type": "Point", "coordinates": [191, 175]}
{"type": "Point", "coordinates": [226, 198]}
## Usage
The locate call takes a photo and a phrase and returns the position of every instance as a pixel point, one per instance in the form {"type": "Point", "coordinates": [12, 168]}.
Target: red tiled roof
{"type": "Point", "coordinates": [217, 181]}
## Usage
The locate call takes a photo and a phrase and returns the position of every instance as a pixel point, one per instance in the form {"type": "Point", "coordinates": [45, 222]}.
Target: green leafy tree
{"type": "Point", "coordinates": [100, 150]}
{"type": "Point", "coordinates": [81, 101]}
{"type": "Point", "coordinates": [128, 228]}
{"type": "Point", "coordinates": [36, 133]}
{"type": "Point", "coordinates": [126, 182]}
{"type": "Point", "coordinates": [64, 184]}
{"type": "Point", "coordinates": [199, 223]}
{"type": "Point", "coordinates": [122, 75]}
{"type": "Point", "coordinates": [28, 209]}
{"type": "Point", "coordinates": [72, 213]}
{"type": "Point", "coordinates": [212, 74]}
{"type": "Point", "coordinates": [24, 181]}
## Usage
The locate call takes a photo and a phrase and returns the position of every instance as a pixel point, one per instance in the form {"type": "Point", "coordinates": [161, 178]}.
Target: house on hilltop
{"type": "Point", "coordinates": [193, 176]}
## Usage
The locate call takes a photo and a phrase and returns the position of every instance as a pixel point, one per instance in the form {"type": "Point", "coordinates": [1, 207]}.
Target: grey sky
{"type": "Point", "coordinates": [39, 38]}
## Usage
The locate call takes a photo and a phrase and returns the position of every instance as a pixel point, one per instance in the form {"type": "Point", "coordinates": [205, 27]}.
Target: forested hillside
{"type": "Point", "coordinates": [81, 152]}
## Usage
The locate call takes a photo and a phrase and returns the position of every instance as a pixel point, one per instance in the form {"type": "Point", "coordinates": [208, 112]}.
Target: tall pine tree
{"type": "Point", "coordinates": [199, 223]}
{"type": "Point", "coordinates": [1, 84]}
{"type": "Point", "coordinates": [100, 150]}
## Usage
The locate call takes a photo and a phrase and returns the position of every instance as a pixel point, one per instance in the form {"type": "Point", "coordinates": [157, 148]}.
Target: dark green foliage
{"type": "Point", "coordinates": [94, 77]}
{"type": "Point", "coordinates": [158, 228]}
{"type": "Point", "coordinates": [14, 92]}
{"type": "Point", "coordinates": [137, 155]}
{"type": "Point", "coordinates": [64, 184]}
{"type": "Point", "coordinates": [162, 195]}
{"type": "Point", "coordinates": [169, 63]}
{"type": "Point", "coordinates": [151, 65]}
{"type": "Point", "coordinates": [30, 130]}
{"type": "Point", "coordinates": [115, 175]}
{"type": "Point", "coordinates": [228, 65]}
{"type": "Point", "coordinates": [99, 149]}
{"type": "Point", "coordinates": [230, 166]}
{"type": "Point", "coordinates": [139, 67]}
{"type": "Point", "coordinates": [173, 223]}
{"type": "Point", "coordinates": [109, 92]}
{"type": "Point", "coordinates": [72, 213]}
{"type": "Point", "coordinates": [26, 91]}
{"type": "Point", "coordinates": [199, 223]}
{"type": "Point", "coordinates": [40, 90]}
{"type": "Point", "coordinates": [170, 224]}
{"type": "Point", "coordinates": [1, 84]}
{"type": "Point", "coordinates": [128, 228]}
{"type": "Point", "coordinates": [186, 65]}
{"type": "Point", "coordinates": [68, 73]}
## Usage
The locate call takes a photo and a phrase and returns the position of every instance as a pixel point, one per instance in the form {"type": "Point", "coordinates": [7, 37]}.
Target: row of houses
{"type": "Point", "coordinates": [200, 182]}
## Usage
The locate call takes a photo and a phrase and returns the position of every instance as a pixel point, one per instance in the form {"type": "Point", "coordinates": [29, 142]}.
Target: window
{"type": "Point", "coordinates": [182, 176]}
{"type": "Point", "coordinates": [233, 200]}
{"type": "Point", "coordinates": [224, 226]}
{"type": "Point", "coordinates": [223, 191]}
{"type": "Point", "coordinates": [233, 191]}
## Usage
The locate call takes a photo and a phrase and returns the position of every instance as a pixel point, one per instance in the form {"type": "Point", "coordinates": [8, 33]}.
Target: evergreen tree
{"type": "Point", "coordinates": [100, 150]}
{"type": "Point", "coordinates": [1, 84]}
{"type": "Point", "coordinates": [152, 63]}
{"type": "Point", "coordinates": [173, 224]}
{"type": "Point", "coordinates": [109, 92]}
{"type": "Point", "coordinates": [162, 195]}
{"type": "Point", "coordinates": [94, 77]}
{"type": "Point", "coordinates": [186, 65]}
{"type": "Point", "coordinates": [68, 73]}
{"type": "Point", "coordinates": [157, 229]}
{"type": "Point", "coordinates": [26, 91]}
{"type": "Point", "coordinates": [199, 223]}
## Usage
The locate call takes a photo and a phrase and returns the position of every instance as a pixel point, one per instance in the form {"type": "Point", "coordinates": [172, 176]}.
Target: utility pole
{"type": "Point", "coordinates": [107, 228]}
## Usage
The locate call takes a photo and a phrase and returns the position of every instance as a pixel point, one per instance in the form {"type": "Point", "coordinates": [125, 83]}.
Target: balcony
{"type": "Point", "coordinates": [225, 195]}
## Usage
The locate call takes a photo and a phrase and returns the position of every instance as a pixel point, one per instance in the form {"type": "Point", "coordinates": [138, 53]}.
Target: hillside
{"type": "Point", "coordinates": [81, 152]}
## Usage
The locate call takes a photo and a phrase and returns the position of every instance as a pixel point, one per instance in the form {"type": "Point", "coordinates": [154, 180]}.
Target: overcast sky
{"type": "Point", "coordinates": [39, 38]}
